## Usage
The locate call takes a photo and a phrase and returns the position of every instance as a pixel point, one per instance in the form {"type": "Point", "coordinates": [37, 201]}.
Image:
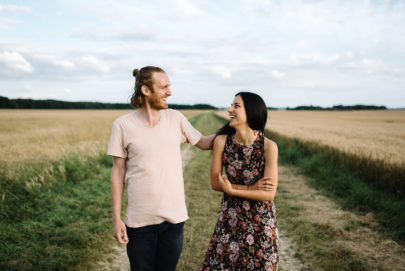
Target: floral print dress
{"type": "Point", "coordinates": [246, 235]}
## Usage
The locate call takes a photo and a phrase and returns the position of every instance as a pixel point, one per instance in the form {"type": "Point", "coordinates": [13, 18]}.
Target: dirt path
{"type": "Point", "coordinates": [287, 259]}
{"type": "Point", "coordinates": [353, 231]}
{"type": "Point", "coordinates": [118, 260]}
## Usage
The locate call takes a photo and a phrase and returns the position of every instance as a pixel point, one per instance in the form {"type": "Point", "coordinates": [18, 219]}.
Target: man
{"type": "Point", "coordinates": [145, 145]}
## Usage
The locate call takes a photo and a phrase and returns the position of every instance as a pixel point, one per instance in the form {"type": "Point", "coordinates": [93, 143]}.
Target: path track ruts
{"type": "Point", "coordinates": [366, 243]}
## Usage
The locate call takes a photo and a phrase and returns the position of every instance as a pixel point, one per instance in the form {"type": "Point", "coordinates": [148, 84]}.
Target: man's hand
{"type": "Point", "coordinates": [264, 184]}
{"type": "Point", "coordinates": [120, 232]}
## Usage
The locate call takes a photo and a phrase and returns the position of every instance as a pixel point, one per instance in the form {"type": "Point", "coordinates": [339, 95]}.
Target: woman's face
{"type": "Point", "coordinates": [237, 113]}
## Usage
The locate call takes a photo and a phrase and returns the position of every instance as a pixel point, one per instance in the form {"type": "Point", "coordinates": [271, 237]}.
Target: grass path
{"type": "Point", "coordinates": [315, 234]}
{"type": "Point", "coordinates": [194, 167]}
{"type": "Point", "coordinates": [327, 237]}
{"type": "Point", "coordinates": [203, 206]}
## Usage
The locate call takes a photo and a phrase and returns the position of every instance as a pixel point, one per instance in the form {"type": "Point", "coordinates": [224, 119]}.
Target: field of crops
{"type": "Point", "coordinates": [27, 135]}
{"type": "Point", "coordinates": [376, 134]}
{"type": "Point", "coordinates": [32, 135]}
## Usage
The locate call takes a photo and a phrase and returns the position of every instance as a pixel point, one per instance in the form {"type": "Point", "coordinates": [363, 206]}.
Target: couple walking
{"type": "Point", "coordinates": [145, 146]}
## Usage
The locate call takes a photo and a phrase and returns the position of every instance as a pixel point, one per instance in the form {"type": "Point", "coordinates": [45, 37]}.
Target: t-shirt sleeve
{"type": "Point", "coordinates": [189, 133]}
{"type": "Point", "coordinates": [116, 146]}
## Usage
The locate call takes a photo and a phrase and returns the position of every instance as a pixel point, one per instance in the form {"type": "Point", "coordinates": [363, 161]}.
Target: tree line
{"type": "Point", "coordinates": [340, 107]}
{"type": "Point", "coordinates": [55, 104]}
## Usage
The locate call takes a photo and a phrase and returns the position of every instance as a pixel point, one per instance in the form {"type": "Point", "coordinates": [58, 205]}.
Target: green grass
{"type": "Point", "coordinates": [203, 207]}
{"type": "Point", "coordinates": [353, 182]}
{"type": "Point", "coordinates": [60, 223]}
{"type": "Point", "coordinates": [341, 183]}
{"type": "Point", "coordinates": [24, 193]}
{"type": "Point", "coordinates": [314, 242]}
{"type": "Point", "coordinates": [56, 215]}
{"type": "Point", "coordinates": [202, 202]}
{"type": "Point", "coordinates": [376, 173]}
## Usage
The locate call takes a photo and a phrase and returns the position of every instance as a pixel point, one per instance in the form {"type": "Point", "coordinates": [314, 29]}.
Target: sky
{"type": "Point", "coordinates": [290, 52]}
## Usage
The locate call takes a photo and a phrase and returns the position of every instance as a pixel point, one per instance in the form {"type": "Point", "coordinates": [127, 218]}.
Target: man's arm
{"type": "Point", "coordinates": [117, 192]}
{"type": "Point", "coordinates": [205, 142]}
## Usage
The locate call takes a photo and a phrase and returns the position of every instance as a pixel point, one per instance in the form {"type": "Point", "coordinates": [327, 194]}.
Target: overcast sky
{"type": "Point", "coordinates": [290, 52]}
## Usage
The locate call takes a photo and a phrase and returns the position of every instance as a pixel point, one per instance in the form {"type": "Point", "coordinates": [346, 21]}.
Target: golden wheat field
{"type": "Point", "coordinates": [35, 135]}
{"type": "Point", "coordinates": [32, 135]}
{"type": "Point", "coordinates": [375, 134]}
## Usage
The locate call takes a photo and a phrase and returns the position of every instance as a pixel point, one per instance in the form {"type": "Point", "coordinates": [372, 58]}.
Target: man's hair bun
{"type": "Point", "coordinates": [134, 73]}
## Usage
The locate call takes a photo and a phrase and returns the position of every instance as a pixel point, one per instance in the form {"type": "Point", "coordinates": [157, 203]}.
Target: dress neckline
{"type": "Point", "coordinates": [242, 145]}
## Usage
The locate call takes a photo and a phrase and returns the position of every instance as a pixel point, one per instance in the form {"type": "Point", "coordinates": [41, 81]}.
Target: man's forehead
{"type": "Point", "coordinates": [160, 77]}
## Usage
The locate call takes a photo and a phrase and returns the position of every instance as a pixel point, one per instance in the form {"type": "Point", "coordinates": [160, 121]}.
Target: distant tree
{"type": "Point", "coordinates": [358, 107]}
{"type": "Point", "coordinates": [6, 102]}
{"type": "Point", "coordinates": [196, 106]}
{"type": "Point", "coordinates": [306, 107]}
{"type": "Point", "coordinates": [55, 104]}
{"type": "Point", "coordinates": [339, 107]}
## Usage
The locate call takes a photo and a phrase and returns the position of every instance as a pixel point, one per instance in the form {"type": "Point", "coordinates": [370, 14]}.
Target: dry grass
{"type": "Point", "coordinates": [28, 135]}
{"type": "Point", "coordinates": [376, 134]}
{"type": "Point", "coordinates": [335, 231]}
{"type": "Point", "coordinates": [32, 135]}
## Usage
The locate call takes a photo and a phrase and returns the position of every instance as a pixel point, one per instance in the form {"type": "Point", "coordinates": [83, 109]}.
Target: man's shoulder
{"type": "Point", "coordinates": [121, 120]}
{"type": "Point", "coordinates": [173, 114]}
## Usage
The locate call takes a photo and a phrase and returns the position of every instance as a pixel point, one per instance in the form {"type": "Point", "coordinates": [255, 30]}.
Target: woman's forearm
{"type": "Point", "coordinates": [253, 194]}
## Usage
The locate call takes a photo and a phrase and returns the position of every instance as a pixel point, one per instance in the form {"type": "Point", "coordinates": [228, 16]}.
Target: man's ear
{"type": "Point", "coordinates": [145, 90]}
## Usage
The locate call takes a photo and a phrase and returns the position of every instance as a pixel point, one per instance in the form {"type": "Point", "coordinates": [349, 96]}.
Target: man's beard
{"type": "Point", "coordinates": [156, 103]}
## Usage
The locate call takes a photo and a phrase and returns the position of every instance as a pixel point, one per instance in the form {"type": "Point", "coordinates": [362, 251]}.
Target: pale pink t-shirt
{"type": "Point", "coordinates": [154, 175]}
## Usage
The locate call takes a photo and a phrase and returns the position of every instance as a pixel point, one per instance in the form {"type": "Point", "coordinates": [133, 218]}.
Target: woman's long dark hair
{"type": "Point", "coordinates": [256, 114]}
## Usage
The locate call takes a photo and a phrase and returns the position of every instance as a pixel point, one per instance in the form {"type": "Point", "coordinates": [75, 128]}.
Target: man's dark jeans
{"type": "Point", "coordinates": [155, 247]}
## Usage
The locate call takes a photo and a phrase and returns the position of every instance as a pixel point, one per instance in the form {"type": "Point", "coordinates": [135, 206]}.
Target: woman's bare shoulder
{"type": "Point", "coordinates": [220, 140]}
{"type": "Point", "coordinates": [270, 145]}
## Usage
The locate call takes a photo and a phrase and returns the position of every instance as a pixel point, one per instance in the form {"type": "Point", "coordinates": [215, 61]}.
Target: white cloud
{"type": "Point", "coordinates": [91, 63]}
{"type": "Point", "coordinates": [66, 64]}
{"type": "Point", "coordinates": [221, 71]}
{"type": "Point", "coordinates": [6, 22]}
{"type": "Point", "coordinates": [277, 75]}
{"type": "Point", "coordinates": [27, 87]}
{"type": "Point", "coordinates": [185, 9]}
{"type": "Point", "coordinates": [14, 8]}
{"type": "Point", "coordinates": [16, 61]}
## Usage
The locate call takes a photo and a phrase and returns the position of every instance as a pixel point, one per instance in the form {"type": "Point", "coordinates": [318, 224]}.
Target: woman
{"type": "Point", "coordinates": [246, 235]}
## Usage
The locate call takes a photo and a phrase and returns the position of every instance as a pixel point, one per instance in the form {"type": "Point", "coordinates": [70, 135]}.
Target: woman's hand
{"type": "Point", "coordinates": [225, 184]}
{"type": "Point", "coordinates": [264, 184]}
